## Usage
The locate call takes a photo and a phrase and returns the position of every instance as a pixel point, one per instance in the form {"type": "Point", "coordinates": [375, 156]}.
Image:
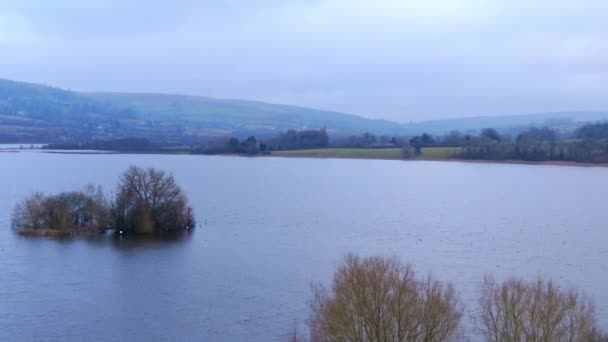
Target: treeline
{"type": "Point", "coordinates": [368, 140]}
{"type": "Point", "coordinates": [299, 140]}
{"type": "Point", "coordinates": [313, 139]}
{"type": "Point", "coordinates": [290, 140]}
{"type": "Point", "coordinates": [585, 151]}
{"type": "Point", "coordinates": [147, 201]}
{"type": "Point", "coordinates": [380, 299]}
{"type": "Point", "coordinates": [593, 131]}
{"type": "Point", "coordinates": [588, 144]}
{"type": "Point", "coordinates": [249, 146]}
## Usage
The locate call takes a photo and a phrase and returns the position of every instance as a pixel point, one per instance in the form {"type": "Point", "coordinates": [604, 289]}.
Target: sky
{"type": "Point", "coordinates": [401, 60]}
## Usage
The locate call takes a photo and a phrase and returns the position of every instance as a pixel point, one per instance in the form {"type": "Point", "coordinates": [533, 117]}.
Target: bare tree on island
{"type": "Point", "coordinates": [62, 214]}
{"type": "Point", "coordinates": [147, 201]}
{"type": "Point", "coordinates": [150, 201]}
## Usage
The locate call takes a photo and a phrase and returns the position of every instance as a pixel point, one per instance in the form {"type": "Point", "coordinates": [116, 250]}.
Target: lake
{"type": "Point", "coordinates": [268, 227]}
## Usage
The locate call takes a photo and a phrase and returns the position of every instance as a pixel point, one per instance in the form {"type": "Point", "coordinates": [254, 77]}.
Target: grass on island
{"type": "Point", "coordinates": [368, 153]}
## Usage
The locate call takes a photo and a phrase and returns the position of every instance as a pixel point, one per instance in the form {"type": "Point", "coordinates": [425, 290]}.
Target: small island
{"type": "Point", "coordinates": [147, 201]}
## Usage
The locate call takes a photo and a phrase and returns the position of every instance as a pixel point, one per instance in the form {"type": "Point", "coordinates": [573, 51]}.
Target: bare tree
{"type": "Point", "coordinates": [147, 201]}
{"type": "Point", "coordinates": [68, 211]}
{"type": "Point", "coordinates": [516, 310]}
{"type": "Point", "coordinates": [377, 299]}
{"type": "Point", "coordinates": [95, 206]}
{"type": "Point", "coordinates": [150, 201]}
{"type": "Point", "coordinates": [29, 213]}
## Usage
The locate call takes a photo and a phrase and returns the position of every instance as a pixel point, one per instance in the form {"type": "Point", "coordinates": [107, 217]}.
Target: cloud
{"type": "Point", "coordinates": [396, 59]}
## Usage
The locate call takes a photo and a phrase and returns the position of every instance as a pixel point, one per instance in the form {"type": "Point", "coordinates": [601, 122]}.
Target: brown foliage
{"type": "Point", "coordinates": [377, 299]}
{"type": "Point", "coordinates": [147, 201]}
{"type": "Point", "coordinates": [67, 211]}
{"type": "Point", "coordinates": [29, 214]}
{"type": "Point", "coordinates": [516, 310]}
{"type": "Point", "coordinates": [150, 201]}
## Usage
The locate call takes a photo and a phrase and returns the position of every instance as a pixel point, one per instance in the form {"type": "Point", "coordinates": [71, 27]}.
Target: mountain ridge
{"type": "Point", "coordinates": [41, 113]}
{"type": "Point", "coordinates": [159, 116]}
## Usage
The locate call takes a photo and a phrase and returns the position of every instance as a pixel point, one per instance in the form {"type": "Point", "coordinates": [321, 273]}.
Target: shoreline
{"type": "Point", "coordinates": [295, 155]}
{"type": "Point", "coordinates": [53, 233]}
{"type": "Point", "coordinates": [455, 160]}
{"type": "Point", "coordinates": [524, 162]}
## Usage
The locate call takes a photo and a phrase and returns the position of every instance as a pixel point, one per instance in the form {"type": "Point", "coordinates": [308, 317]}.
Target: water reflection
{"type": "Point", "coordinates": [124, 242]}
{"type": "Point", "coordinates": [119, 241]}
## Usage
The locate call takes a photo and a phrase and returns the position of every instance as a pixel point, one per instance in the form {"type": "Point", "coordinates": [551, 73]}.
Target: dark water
{"type": "Point", "coordinates": [273, 226]}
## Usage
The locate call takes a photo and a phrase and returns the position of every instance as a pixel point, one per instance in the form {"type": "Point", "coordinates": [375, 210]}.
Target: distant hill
{"type": "Point", "coordinates": [38, 113]}
{"type": "Point", "coordinates": [31, 112]}
{"type": "Point", "coordinates": [509, 123]}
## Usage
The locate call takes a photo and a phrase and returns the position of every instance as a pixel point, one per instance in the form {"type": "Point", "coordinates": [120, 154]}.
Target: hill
{"type": "Point", "coordinates": [507, 123]}
{"type": "Point", "coordinates": [31, 112]}
{"type": "Point", "coordinates": [38, 113]}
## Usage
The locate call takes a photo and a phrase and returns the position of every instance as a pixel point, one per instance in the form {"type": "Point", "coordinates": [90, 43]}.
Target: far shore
{"type": "Point", "coordinates": [454, 160]}
{"type": "Point", "coordinates": [440, 157]}
{"type": "Point", "coordinates": [527, 162]}
{"type": "Point", "coordinates": [441, 154]}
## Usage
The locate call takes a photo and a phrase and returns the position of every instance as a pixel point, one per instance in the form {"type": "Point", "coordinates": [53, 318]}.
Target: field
{"type": "Point", "coordinates": [368, 153]}
{"type": "Point", "coordinates": [438, 152]}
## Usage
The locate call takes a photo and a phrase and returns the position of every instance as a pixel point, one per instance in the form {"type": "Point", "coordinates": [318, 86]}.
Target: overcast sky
{"type": "Point", "coordinates": [394, 59]}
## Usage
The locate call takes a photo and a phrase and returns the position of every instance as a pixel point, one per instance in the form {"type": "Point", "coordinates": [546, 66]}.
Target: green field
{"type": "Point", "coordinates": [368, 153]}
{"type": "Point", "coordinates": [438, 152]}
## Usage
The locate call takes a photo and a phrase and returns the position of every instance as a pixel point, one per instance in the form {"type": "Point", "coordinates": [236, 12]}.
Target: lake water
{"type": "Point", "coordinates": [271, 226]}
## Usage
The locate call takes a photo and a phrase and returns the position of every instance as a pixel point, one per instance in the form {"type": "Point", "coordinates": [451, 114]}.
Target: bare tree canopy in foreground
{"type": "Point", "coordinates": [516, 310]}
{"type": "Point", "coordinates": [377, 299]}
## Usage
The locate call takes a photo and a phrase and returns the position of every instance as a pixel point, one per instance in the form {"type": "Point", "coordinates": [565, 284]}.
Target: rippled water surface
{"type": "Point", "coordinates": [271, 226]}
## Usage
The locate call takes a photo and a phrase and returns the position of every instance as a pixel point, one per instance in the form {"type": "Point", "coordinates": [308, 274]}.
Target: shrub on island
{"type": "Point", "coordinates": [147, 201]}
{"type": "Point", "coordinates": [62, 214]}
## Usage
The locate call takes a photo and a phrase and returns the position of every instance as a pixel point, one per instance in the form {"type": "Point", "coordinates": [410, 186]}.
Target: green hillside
{"type": "Point", "coordinates": [40, 113]}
